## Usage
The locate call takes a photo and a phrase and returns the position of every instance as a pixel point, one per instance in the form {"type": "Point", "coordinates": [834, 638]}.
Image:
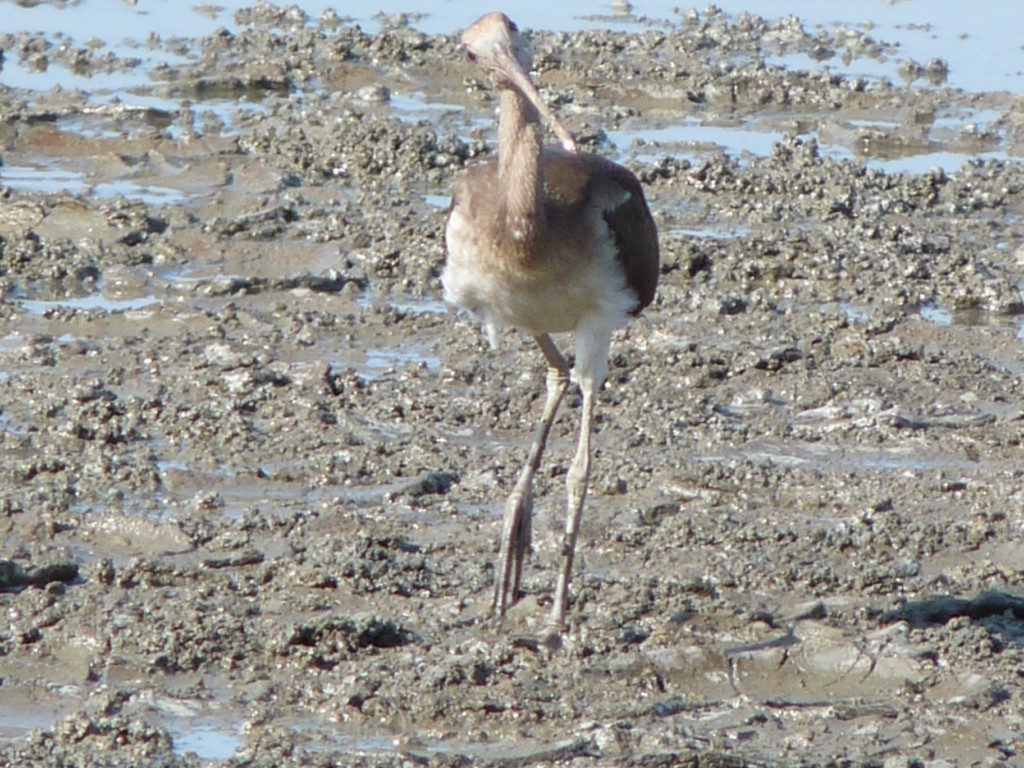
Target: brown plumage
{"type": "Point", "coordinates": [546, 241]}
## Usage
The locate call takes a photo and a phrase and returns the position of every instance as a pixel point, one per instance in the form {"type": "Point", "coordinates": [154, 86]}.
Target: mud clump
{"type": "Point", "coordinates": [251, 469]}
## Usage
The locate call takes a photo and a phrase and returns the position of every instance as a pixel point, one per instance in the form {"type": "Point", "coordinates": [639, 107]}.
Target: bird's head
{"type": "Point", "coordinates": [495, 44]}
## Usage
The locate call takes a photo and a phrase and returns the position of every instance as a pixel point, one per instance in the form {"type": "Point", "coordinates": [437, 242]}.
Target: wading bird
{"type": "Point", "coordinates": [545, 240]}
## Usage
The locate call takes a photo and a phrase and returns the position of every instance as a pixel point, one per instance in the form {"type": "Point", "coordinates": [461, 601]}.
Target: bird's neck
{"type": "Point", "coordinates": [520, 171]}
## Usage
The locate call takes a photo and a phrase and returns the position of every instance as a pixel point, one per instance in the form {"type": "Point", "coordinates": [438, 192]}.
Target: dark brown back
{"type": "Point", "coordinates": [572, 182]}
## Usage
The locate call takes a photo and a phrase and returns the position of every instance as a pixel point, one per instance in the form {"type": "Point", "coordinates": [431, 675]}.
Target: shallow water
{"type": "Point", "coordinates": [982, 50]}
{"type": "Point", "coordinates": [212, 740]}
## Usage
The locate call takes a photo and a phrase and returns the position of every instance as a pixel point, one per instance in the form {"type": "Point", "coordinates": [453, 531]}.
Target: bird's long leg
{"type": "Point", "coordinates": [592, 345]}
{"type": "Point", "coordinates": [517, 526]}
{"type": "Point", "coordinates": [576, 482]}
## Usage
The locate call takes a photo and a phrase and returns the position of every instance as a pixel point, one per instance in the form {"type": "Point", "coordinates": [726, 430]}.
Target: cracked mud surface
{"type": "Point", "coordinates": [251, 469]}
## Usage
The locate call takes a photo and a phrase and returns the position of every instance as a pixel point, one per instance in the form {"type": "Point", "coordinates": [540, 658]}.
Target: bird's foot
{"type": "Point", "coordinates": [506, 595]}
{"type": "Point", "coordinates": [517, 532]}
{"type": "Point", "coordinates": [547, 641]}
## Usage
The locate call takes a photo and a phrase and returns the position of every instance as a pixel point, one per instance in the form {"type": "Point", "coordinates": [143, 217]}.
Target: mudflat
{"type": "Point", "coordinates": [252, 468]}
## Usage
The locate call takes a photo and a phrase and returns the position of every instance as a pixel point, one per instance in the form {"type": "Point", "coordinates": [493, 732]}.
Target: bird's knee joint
{"type": "Point", "coordinates": [577, 475]}
{"type": "Point", "coordinates": [558, 378]}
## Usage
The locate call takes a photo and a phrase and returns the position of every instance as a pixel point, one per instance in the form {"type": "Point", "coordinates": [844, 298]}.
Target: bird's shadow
{"type": "Point", "coordinates": [1000, 613]}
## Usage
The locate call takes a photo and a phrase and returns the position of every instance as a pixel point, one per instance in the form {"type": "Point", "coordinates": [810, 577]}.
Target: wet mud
{"type": "Point", "coordinates": [251, 468]}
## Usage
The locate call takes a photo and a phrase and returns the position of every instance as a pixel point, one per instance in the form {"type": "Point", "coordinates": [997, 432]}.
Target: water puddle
{"type": "Point", "coordinates": [859, 315]}
{"type": "Point", "coordinates": [207, 740]}
{"type": "Point", "coordinates": [415, 106]}
{"type": "Point", "coordinates": [326, 737]}
{"type": "Point", "coordinates": [380, 361]}
{"type": "Point", "coordinates": [937, 315]}
{"type": "Point", "coordinates": [376, 362]}
{"type": "Point", "coordinates": [693, 140]}
{"type": "Point", "coordinates": [722, 231]}
{"type": "Point", "coordinates": [102, 86]}
{"type": "Point", "coordinates": [221, 116]}
{"type": "Point", "coordinates": [88, 303]}
{"type": "Point", "coordinates": [896, 459]}
{"type": "Point", "coordinates": [438, 201]}
{"type": "Point", "coordinates": [237, 491]}
{"type": "Point", "coordinates": [860, 67]}
{"type": "Point", "coordinates": [19, 716]}
{"type": "Point", "coordinates": [415, 305]}
{"type": "Point", "coordinates": [152, 195]}
{"type": "Point", "coordinates": [983, 50]}
{"type": "Point", "coordinates": [44, 180]}
{"type": "Point", "coordinates": [971, 318]}
{"type": "Point", "coordinates": [51, 178]}
{"type": "Point", "coordinates": [973, 119]}
{"type": "Point", "coordinates": [934, 314]}
{"type": "Point", "coordinates": [418, 106]}
{"type": "Point", "coordinates": [923, 163]}
{"type": "Point", "coordinates": [278, 485]}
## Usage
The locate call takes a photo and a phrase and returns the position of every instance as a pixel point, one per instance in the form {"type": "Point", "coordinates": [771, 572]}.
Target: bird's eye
{"type": "Point", "coordinates": [471, 55]}
{"type": "Point", "coordinates": [513, 26]}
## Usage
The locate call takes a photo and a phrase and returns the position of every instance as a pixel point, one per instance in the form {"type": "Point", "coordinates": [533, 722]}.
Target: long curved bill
{"type": "Point", "coordinates": [522, 80]}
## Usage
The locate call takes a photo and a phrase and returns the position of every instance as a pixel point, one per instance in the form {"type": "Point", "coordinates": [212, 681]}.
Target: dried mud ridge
{"type": "Point", "coordinates": [253, 491]}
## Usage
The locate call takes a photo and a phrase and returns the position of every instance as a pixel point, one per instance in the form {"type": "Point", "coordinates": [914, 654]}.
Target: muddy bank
{"type": "Point", "coordinates": [251, 468]}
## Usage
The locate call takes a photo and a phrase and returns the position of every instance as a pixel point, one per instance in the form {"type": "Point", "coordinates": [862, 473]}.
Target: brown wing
{"type": "Point", "coordinates": [574, 181]}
